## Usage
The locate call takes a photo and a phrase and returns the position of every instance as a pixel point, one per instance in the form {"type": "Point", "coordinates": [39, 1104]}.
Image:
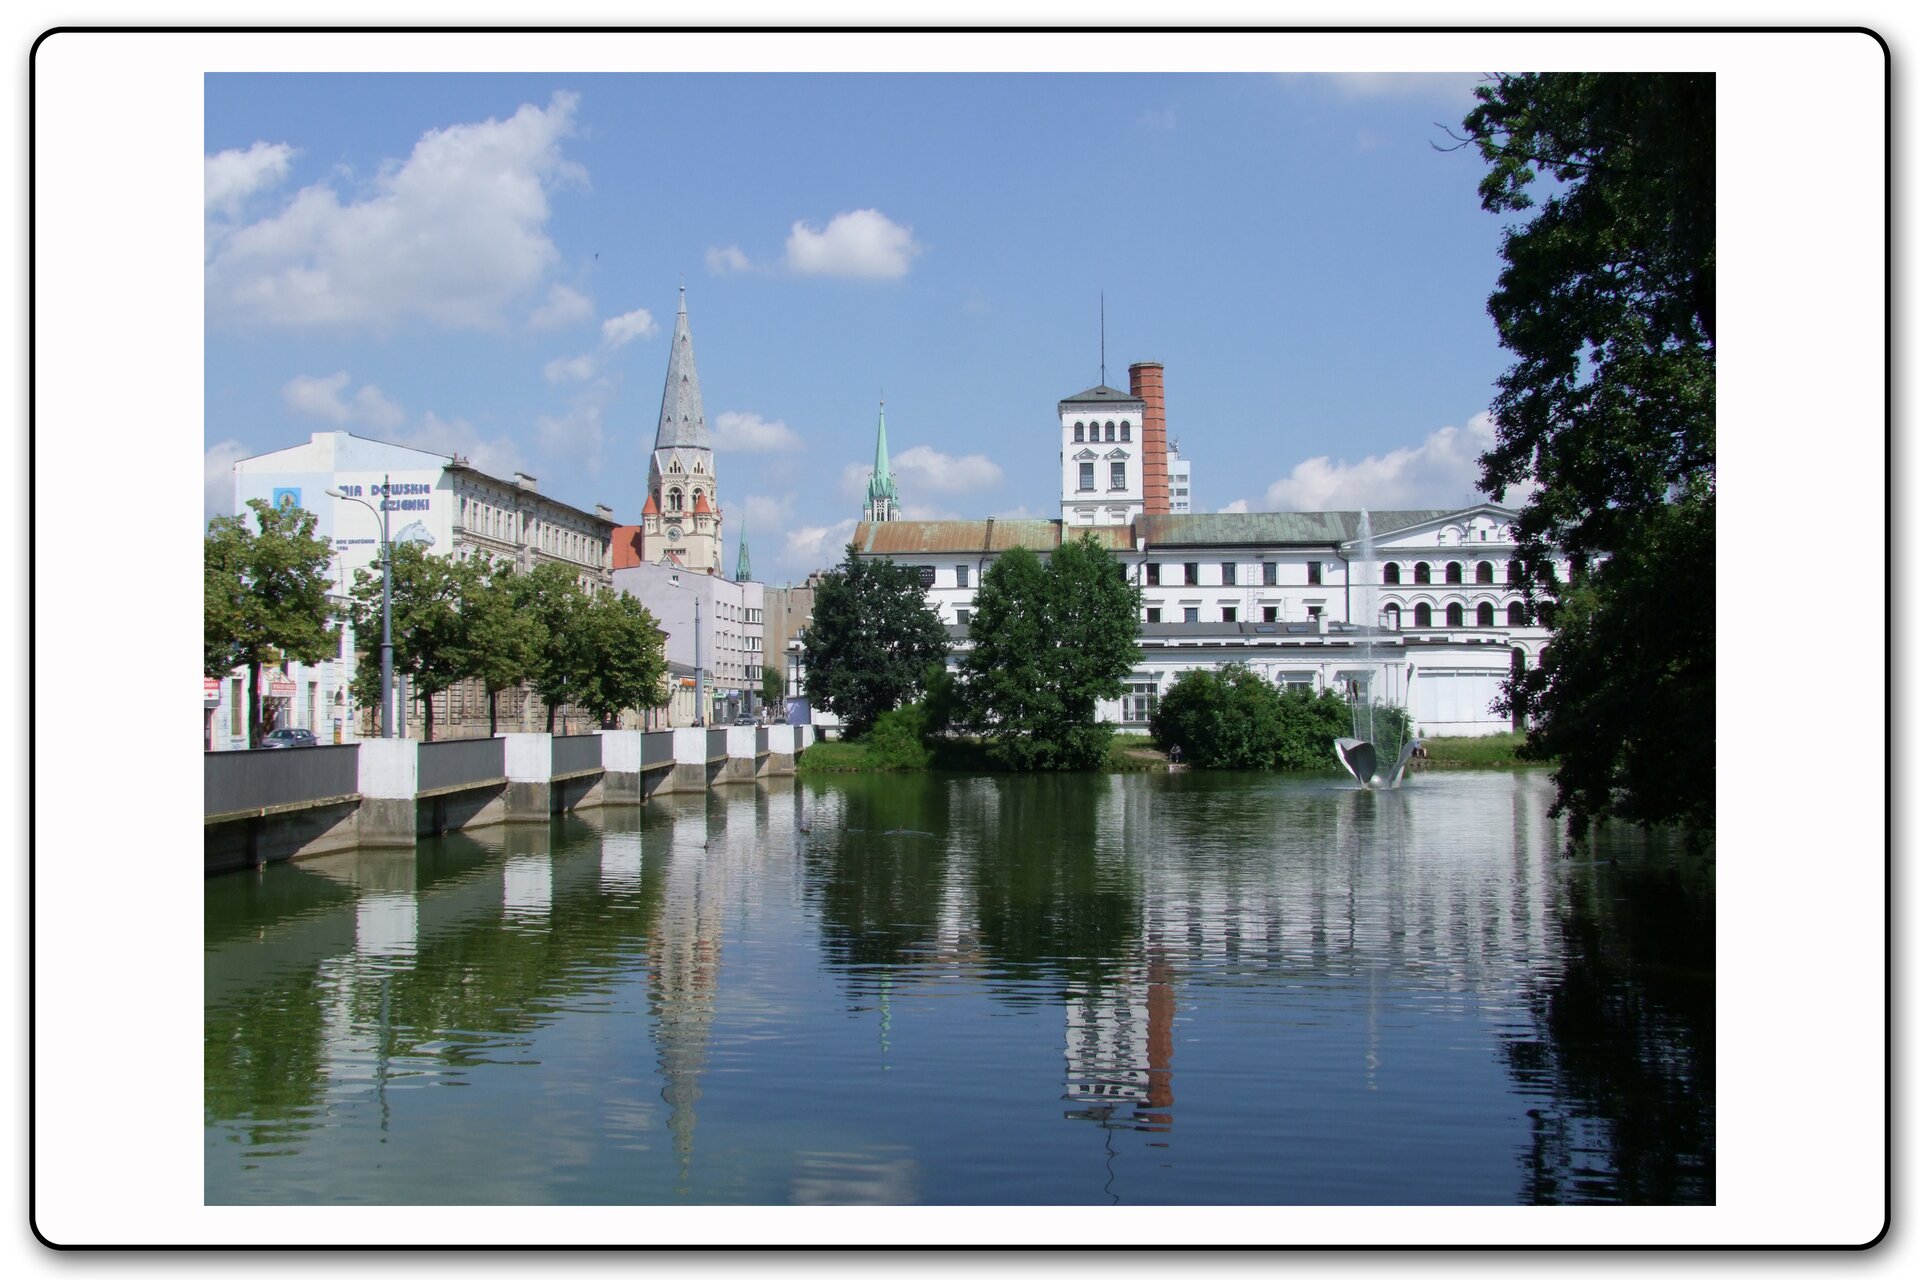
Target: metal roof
{"type": "Point", "coordinates": [1272, 528]}
{"type": "Point", "coordinates": [1104, 394]}
{"type": "Point", "coordinates": [683, 422]}
{"type": "Point", "coordinates": [976, 537]}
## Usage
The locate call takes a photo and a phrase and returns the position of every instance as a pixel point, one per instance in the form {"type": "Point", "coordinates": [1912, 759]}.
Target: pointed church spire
{"type": "Point", "coordinates": [683, 422]}
{"type": "Point", "coordinates": [882, 497]}
{"type": "Point", "coordinates": [743, 571]}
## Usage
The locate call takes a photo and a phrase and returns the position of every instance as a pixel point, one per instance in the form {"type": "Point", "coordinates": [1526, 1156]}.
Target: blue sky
{"type": "Point", "coordinates": [490, 263]}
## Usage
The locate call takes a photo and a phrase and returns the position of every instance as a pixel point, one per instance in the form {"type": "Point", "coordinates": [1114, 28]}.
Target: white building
{"type": "Point", "coordinates": [434, 498]}
{"type": "Point", "coordinates": [725, 651]}
{"type": "Point", "coordinates": [1179, 481]}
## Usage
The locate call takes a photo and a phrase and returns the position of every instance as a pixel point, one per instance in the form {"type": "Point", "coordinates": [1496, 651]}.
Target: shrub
{"type": "Point", "coordinates": [897, 741]}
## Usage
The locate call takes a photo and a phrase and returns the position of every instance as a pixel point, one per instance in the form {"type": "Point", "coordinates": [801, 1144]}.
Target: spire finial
{"type": "Point", "coordinates": [1103, 337]}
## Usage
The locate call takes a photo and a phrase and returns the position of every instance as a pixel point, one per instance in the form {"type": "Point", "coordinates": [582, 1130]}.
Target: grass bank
{"type": "Point", "coordinates": [1125, 754]}
{"type": "Point", "coordinates": [1495, 751]}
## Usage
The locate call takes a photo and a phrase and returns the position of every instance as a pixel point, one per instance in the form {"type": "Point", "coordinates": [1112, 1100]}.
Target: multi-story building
{"type": "Point", "coordinates": [436, 499]}
{"type": "Point", "coordinates": [1179, 481]}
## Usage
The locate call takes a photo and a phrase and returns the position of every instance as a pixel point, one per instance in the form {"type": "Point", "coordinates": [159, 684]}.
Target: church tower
{"type": "Point", "coordinates": [883, 499]}
{"type": "Point", "coordinates": [681, 521]}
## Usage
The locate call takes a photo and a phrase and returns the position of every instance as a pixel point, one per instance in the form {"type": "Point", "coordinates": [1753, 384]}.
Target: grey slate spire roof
{"type": "Point", "coordinates": [683, 423]}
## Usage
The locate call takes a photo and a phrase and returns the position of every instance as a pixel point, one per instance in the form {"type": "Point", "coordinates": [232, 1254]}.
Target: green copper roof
{"type": "Point", "coordinates": [881, 484]}
{"type": "Point", "coordinates": [743, 571]}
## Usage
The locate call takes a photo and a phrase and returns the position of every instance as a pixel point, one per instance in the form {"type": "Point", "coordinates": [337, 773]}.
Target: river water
{"type": "Point", "coordinates": [926, 989]}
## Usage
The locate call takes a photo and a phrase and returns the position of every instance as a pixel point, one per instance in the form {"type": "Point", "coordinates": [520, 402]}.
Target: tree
{"type": "Point", "coordinates": [1049, 642]}
{"type": "Point", "coordinates": [552, 596]}
{"type": "Point", "coordinates": [1607, 302]}
{"type": "Point", "coordinates": [501, 639]}
{"type": "Point", "coordinates": [871, 641]}
{"type": "Point", "coordinates": [624, 653]}
{"type": "Point", "coordinates": [428, 634]}
{"type": "Point", "coordinates": [1235, 719]}
{"type": "Point", "coordinates": [266, 596]}
{"type": "Point", "coordinates": [772, 688]}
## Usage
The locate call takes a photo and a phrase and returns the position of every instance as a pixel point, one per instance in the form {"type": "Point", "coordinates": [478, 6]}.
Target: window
{"type": "Point", "coordinates": [1226, 573]}
{"type": "Point", "coordinates": [1142, 697]}
{"type": "Point", "coordinates": [1086, 476]}
{"type": "Point", "coordinates": [1153, 615]}
{"type": "Point", "coordinates": [1193, 574]}
{"type": "Point", "coordinates": [1079, 434]}
{"type": "Point", "coordinates": [1270, 613]}
{"type": "Point", "coordinates": [1456, 615]}
{"type": "Point", "coordinates": [964, 615]}
{"type": "Point", "coordinates": [1117, 476]}
{"type": "Point", "coordinates": [1454, 574]}
{"type": "Point", "coordinates": [674, 500]}
{"type": "Point", "coordinates": [1516, 614]}
{"type": "Point", "coordinates": [1483, 616]}
{"type": "Point", "coordinates": [1423, 615]}
{"type": "Point", "coordinates": [1109, 432]}
{"type": "Point", "coordinates": [1153, 575]}
{"type": "Point", "coordinates": [1229, 613]}
{"type": "Point", "coordinates": [1313, 612]}
{"type": "Point", "coordinates": [1390, 574]}
{"type": "Point", "coordinates": [1190, 615]}
{"type": "Point", "coordinates": [1126, 433]}
{"type": "Point", "coordinates": [1391, 617]}
{"type": "Point", "coordinates": [1313, 573]}
{"type": "Point", "coordinates": [1546, 572]}
{"type": "Point", "coordinates": [1269, 574]}
{"type": "Point", "coordinates": [1514, 577]}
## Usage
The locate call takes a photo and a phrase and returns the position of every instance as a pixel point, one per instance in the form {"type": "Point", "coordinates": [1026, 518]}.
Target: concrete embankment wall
{"type": "Point", "coordinates": [269, 806]}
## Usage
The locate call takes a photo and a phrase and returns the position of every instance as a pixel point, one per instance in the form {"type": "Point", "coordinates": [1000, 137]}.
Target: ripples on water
{"type": "Point", "coordinates": [1194, 988]}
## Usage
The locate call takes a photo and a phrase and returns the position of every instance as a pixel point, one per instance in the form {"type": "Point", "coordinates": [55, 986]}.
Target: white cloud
{"type": "Point", "coordinates": [232, 176]}
{"type": "Point", "coordinates": [320, 398]}
{"type": "Point", "coordinates": [564, 306]}
{"type": "Point", "coordinates": [924, 467]}
{"type": "Point", "coordinates": [620, 330]}
{"type": "Point", "coordinates": [499, 457]}
{"type": "Point", "coordinates": [1440, 471]}
{"type": "Point", "coordinates": [219, 461]}
{"type": "Point", "coordinates": [449, 237]}
{"type": "Point", "coordinates": [751, 433]}
{"type": "Point", "coordinates": [818, 546]}
{"type": "Point", "coordinates": [577, 432]}
{"type": "Point", "coordinates": [728, 261]}
{"type": "Point", "coordinates": [570, 369]}
{"type": "Point", "coordinates": [863, 244]}
{"type": "Point", "coordinates": [1238, 507]}
{"type": "Point", "coordinates": [1445, 88]}
{"type": "Point", "coordinates": [921, 511]}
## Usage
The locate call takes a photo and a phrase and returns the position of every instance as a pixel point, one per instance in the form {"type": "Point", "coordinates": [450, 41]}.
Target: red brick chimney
{"type": "Point", "coordinates": [1144, 381]}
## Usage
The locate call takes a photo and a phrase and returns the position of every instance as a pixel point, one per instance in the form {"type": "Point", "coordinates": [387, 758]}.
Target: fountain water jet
{"type": "Point", "coordinates": [1360, 755]}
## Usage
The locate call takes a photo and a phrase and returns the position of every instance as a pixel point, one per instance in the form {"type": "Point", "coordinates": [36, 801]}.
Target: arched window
{"type": "Point", "coordinates": [1456, 615]}
{"type": "Point", "coordinates": [1454, 574]}
{"type": "Point", "coordinates": [1126, 432]}
{"type": "Point", "coordinates": [674, 500]}
{"type": "Point", "coordinates": [1391, 574]}
{"type": "Point", "coordinates": [1513, 573]}
{"type": "Point", "coordinates": [1391, 617]}
{"type": "Point", "coordinates": [1516, 614]}
{"type": "Point", "coordinates": [1483, 572]}
{"type": "Point", "coordinates": [1109, 432]}
{"type": "Point", "coordinates": [1422, 575]}
{"type": "Point", "coordinates": [1079, 434]}
{"type": "Point", "coordinates": [1423, 614]}
{"type": "Point", "coordinates": [1484, 614]}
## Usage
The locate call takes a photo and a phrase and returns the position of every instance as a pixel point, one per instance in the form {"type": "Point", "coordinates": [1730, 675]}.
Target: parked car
{"type": "Point", "coordinates": [289, 738]}
{"type": "Point", "coordinates": [745, 720]}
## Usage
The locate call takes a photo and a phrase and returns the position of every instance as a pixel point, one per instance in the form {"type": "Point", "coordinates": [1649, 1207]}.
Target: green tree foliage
{"type": "Point", "coordinates": [625, 658]}
{"type": "Point", "coordinates": [500, 638]}
{"type": "Point", "coordinates": [1607, 302]}
{"type": "Point", "coordinates": [898, 738]}
{"type": "Point", "coordinates": [550, 593]}
{"type": "Point", "coordinates": [428, 636]}
{"type": "Point", "coordinates": [266, 596]}
{"type": "Point", "coordinates": [871, 641]}
{"type": "Point", "coordinates": [772, 687]}
{"type": "Point", "coordinates": [1050, 641]}
{"type": "Point", "coordinates": [1235, 719]}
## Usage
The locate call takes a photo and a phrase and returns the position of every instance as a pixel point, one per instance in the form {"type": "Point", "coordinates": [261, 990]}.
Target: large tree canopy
{"type": "Point", "coordinates": [872, 640]}
{"type": "Point", "coordinates": [266, 595]}
{"type": "Point", "coordinates": [428, 640]}
{"type": "Point", "coordinates": [1607, 417]}
{"type": "Point", "coordinates": [1050, 641]}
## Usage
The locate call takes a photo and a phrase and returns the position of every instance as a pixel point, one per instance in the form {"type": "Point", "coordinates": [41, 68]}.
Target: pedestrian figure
{"type": "Point", "coordinates": [1173, 754]}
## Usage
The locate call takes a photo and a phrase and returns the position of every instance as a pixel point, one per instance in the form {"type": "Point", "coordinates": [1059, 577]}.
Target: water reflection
{"type": "Point", "coordinates": [973, 990]}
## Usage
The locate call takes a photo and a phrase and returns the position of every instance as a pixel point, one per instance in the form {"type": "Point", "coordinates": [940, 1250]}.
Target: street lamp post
{"type": "Point", "coordinates": [386, 602]}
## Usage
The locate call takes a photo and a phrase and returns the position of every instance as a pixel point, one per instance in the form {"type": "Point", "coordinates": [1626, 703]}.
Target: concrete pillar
{"type": "Point", "coordinates": [742, 748]}
{"type": "Point", "coordinates": [780, 748]}
{"type": "Point", "coordinates": [620, 756]}
{"type": "Point", "coordinates": [529, 795]}
{"type": "Point", "coordinates": [389, 781]}
{"type": "Point", "coordinates": [689, 761]}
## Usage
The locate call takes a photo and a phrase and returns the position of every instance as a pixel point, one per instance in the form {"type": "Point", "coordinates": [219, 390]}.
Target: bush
{"type": "Point", "coordinates": [1237, 720]}
{"type": "Point", "coordinates": [898, 739]}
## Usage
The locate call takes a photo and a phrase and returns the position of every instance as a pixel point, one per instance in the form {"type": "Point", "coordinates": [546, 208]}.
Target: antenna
{"type": "Point", "coordinates": [1103, 337]}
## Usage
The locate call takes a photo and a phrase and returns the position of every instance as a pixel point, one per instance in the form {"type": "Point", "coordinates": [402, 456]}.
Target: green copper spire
{"type": "Point", "coordinates": [743, 571]}
{"type": "Point", "coordinates": [882, 497]}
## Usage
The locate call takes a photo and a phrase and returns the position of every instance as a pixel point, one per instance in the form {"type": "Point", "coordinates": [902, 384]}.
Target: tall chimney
{"type": "Point", "coordinates": [1144, 380]}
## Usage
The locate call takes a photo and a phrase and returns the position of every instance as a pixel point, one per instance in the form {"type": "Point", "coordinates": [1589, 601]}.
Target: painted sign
{"type": "Point", "coordinates": [284, 499]}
